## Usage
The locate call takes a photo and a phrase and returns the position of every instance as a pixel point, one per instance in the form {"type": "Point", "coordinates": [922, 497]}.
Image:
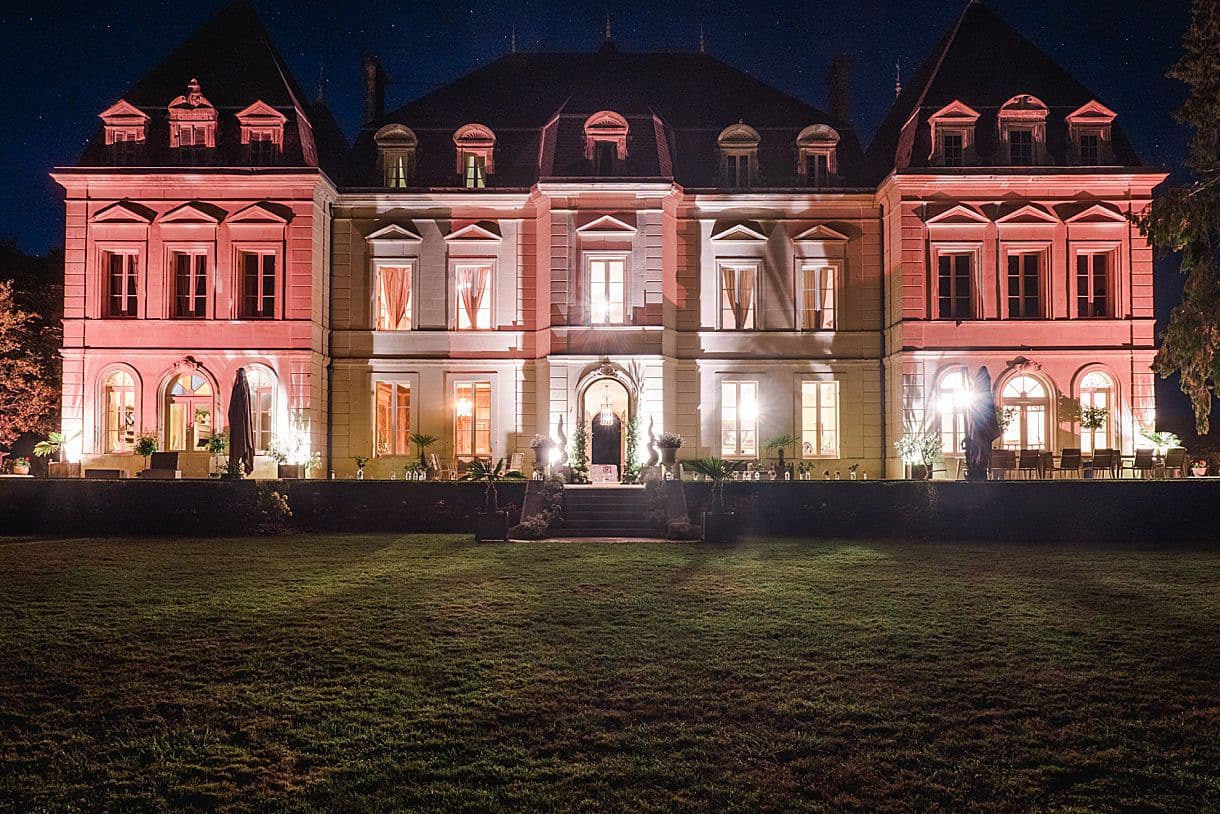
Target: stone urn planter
{"type": "Point", "coordinates": [290, 471]}
{"type": "Point", "coordinates": [1198, 470]}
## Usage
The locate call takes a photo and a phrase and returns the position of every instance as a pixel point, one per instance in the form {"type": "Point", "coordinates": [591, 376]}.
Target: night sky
{"type": "Point", "coordinates": [64, 62]}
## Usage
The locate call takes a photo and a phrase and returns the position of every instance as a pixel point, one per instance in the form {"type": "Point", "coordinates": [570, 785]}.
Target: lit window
{"type": "Point", "coordinates": [393, 419]}
{"type": "Point", "coordinates": [1093, 285]}
{"type": "Point", "coordinates": [819, 419]}
{"type": "Point", "coordinates": [951, 150]}
{"type": "Point", "coordinates": [739, 419]}
{"type": "Point", "coordinates": [1090, 154]}
{"type": "Point", "coordinates": [472, 297]}
{"type": "Point", "coordinates": [262, 133]}
{"type": "Point", "coordinates": [816, 154]}
{"type": "Point", "coordinates": [262, 406]}
{"type": "Point", "coordinates": [1025, 397]}
{"type": "Point", "coordinates": [1021, 147]}
{"type": "Point", "coordinates": [119, 400]}
{"type": "Point", "coordinates": [188, 415]}
{"type": "Point", "coordinates": [258, 285]}
{"type": "Point", "coordinates": [817, 298]}
{"type": "Point", "coordinates": [475, 172]}
{"type": "Point", "coordinates": [953, 286]}
{"type": "Point", "coordinates": [122, 283]}
{"type": "Point", "coordinates": [475, 144]}
{"type": "Point", "coordinates": [1097, 393]}
{"type": "Point", "coordinates": [607, 277]}
{"type": "Point", "coordinates": [394, 298]}
{"type": "Point", "coordinates": [472, 419]}
{"type": "Point", "coordinates": [739, 155]}
{"type": "Point", "coordinates": [737, 287]}
{"type": "Point", "coordinates": [952, 401]}
{"type": "Point", "coordinates": [396, 146]}
{"type": "Point", "coordinates": [190, 284]}
{"type": "Point", "coordinates": [1024, 280]}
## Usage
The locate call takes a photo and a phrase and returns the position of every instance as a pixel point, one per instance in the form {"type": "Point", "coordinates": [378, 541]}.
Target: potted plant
{"type": "Point", "coordinates": [669, 443]}
{"type": "Point", "coordinates": [21, 466]}
{"type": "Point", "coordinates": [414, 471]}
{"type": "Point", "coordinates": [542, 446]}
{"type": "Point", "coordinates": [719, 526]}
{"type": "Point", "coordinates": [491, 523]}
{"type": "Point", "coordinates": [53, 448]}
{"type": "Point", "coordinates": [779, 444]}
{"type": "Point", "coordinates": [1198, 467]}
{"type": "Point", "coordinates": [231, 470]}
{"type": "Point", "coordinates": [217, 446]}
{"type": "Point", "coordinates": [1162, 442]}
{"type": "Point", "coordinates": [920, 451]}
{"type": "Point", "coordinates": [422, 441]}
{"type": "Point", "coordinates": [293, 461]}
{"type": "Point", "coordinates": [146, 445]}
{"type": "Point", "coordinates": [361, 462]}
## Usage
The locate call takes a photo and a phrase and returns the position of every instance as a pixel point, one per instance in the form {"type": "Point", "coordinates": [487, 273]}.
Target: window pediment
{"type": "Point", "coordinates": [740, 136]}
{"type": "Point", "coordinates": [123, 114]}
{"type": "Point", "coordinates": [1100, 212]}
{"type": "Point", "coordinates": [394, 232]}
{"type": "Point", "coordinates": [743, 230]}
{"type": "Point", "coordinates": [1027, 213]}
{"type": "Point", "coordinates": [1092, 113]}
{"type": "Point", "coordinates": [957, 215]}
{"type": "Point", "coordinates": [821, 232]}
{"type": "Point", "coordinates": [475, 140]}
{"type": "Point", "coordinates": [125, 212]}
{"type": "Point", "coordinates": [194, 212]}
{"type": "Point", "coordinates": [609, 225]}
{"type": "Point", "coordinates": [484, 230]}
{"type": "Point", "coordinates": [263, 212]}
{"type": "Point", "coordinates": [397, 136]}
{"type": "Point", "coordinates": [606, 126]}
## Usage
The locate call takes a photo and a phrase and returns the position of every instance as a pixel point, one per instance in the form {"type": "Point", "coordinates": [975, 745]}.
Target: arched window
{"type": "Point", "coordinates": [1096, 410]}
{"type": "Point", "coordinates": [190, 410]}
{"type": "Point", "coordinates": [816, 161]}
{"type": "Point", "coordinates": [1027, 399]}
{"type": "Point", "coordinates": [1023, 129]}
{"type": "Point", "coordinates": [262, 405]}
{"type": "Point", "coordinates": [396, 145]}
{"type": "Point", "coordinates": [952, 400]}
{"type": "Point", "coordinates": [738, 145]}
{"type": "Point", "coordinates": [605, 141]}
{"type": "Point", "coordinates": [119, 400]}
{"type": "Point", "coordinates": [475, 145]}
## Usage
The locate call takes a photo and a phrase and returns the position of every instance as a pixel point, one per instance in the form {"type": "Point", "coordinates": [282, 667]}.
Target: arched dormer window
{"type": "Point", "coordinates": [606, 141]}
{"type": "Point", "coordinates": [262, 134]}
{"type": "Point", "coordinates": [738, 145]}
{"type": "Point", "coordinates": [125, 128]}
{"type": "Point", "coordinates": [396, 145]}
{"type": "Point", "coordinates": [192, 126]}
{"type": "Point", "coordinates": [1089, 129]}
{"type": "Point", "coordinates": [953, 135]}
{"type": "Point", "coordinates": [1023, 129]}
{"type": "Point", "coordinates": [816, 161]}
{"type": "Point", "coordinates": [475, 145]}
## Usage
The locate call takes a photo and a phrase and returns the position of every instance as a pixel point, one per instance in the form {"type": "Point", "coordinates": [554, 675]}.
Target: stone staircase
{"type": "Point", "coordinates": [605, 511]}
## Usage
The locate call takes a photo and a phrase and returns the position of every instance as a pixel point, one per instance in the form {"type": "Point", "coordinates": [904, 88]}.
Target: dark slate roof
{"type": "Point", "coordinates": [676, 104]}
{"type": "Point", "coordinates": [237, 64]}
{"type": "Point", "coordinates": [982, 62]}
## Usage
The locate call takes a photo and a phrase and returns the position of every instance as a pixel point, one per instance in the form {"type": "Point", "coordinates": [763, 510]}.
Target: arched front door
{"type": "Point", "coordinates": [607, 409]}
{"type": "Point", "coordinates": [607, 441]}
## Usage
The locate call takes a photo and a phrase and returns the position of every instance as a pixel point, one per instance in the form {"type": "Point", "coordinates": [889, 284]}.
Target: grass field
{"type": "Point", "coordinates": [374, 673]}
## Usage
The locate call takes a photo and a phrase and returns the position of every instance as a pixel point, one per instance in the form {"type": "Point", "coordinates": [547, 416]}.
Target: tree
{"type": "Point", "coordinates": [28, 395]}
{"type": "Point", "coordinates": [1186, 219]}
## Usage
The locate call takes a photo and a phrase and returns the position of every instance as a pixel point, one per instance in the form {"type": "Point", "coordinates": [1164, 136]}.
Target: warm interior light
{"type": "Point", "coordinates": [600, 307]}
{"type": "Point", "coordinates": [749, 409]}
{"type": "Point", "coordinates": [464, 407]}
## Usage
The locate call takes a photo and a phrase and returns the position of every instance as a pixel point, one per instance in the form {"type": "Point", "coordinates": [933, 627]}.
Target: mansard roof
{"type": "Point", "coordinates": [675, 105]}
{"type": "Point", "coordinates": [982, 62]}
{"type": "Point", "coordinates": [236, 63]}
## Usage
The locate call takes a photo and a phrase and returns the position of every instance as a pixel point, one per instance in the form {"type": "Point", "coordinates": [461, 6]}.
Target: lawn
{"type": "Point", "coordinates": [380, 673]}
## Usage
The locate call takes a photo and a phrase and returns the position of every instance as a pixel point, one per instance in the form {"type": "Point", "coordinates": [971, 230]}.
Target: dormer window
{"type": "Point", "coordinates": [953, 135]}
{"type": "Point", "coordinates": [1089, 130]}
{"type": "Point", "coordinates": [125, 129]}
{"type": "Point", "coordinates": [262, 134]}
{"type": "Point", "coordinates": [738, 156]}
{"type": "Point", "coordinates": [606, 142]}
{"type": "Point", "coordinates": [396, 145]}
{"type": "Point", "coordinates": [475, 145]}
{"type": "Point", "coordinates": [1023, 128]}
{"type": "Point", "coordinates": [816, 155]}
{"type": "Point", "coordinates": [192, 126]}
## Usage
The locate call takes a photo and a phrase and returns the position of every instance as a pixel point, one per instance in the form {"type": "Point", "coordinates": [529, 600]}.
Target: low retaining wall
{"type": "Point", "coordinates": [1084, 511]}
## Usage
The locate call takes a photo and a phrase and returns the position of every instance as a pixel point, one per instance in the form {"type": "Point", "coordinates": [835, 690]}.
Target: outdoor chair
{"type": "Point", "coordinates": [1069, 462]}
{"type": "Point", "coordinates": [1175, 463]}
{"type": "Point", "coordinates": [442, 472]}
{"type": "Point", "coordinates": [1003, 461]}
{"type": "Point", "coordinates": [162, 466]}
{"type": "Point", "coordinates": [1104, 461]}
{"type": "Point", "coordinates": [1029, 463]}
{"type": "Point", "coordinates": [516, 461]}
{"type": "Point", "coordinates": [1142, 465]}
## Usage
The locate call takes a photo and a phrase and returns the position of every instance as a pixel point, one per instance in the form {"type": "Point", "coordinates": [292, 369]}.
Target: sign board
{"type": "Point", "coordinates": [603, 473]}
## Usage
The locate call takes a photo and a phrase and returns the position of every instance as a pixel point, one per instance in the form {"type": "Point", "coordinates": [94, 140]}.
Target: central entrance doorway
{"type": "Point", "coordinates": [606, 410]}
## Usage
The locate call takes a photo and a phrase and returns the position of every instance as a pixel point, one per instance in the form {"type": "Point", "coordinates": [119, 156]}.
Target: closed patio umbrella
{"type": "Point", "coordinates": [982, 427]}
{"type": "Point", "coordinates": [241, 424]}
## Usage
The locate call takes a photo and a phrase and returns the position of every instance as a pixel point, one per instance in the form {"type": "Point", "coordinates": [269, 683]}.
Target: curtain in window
{"type": "Point", "coordinates": [472, 287]}
{"type": "Point", "coordinates": [739, 290]}
{"type": "Point", "coordinates": [395, 298]}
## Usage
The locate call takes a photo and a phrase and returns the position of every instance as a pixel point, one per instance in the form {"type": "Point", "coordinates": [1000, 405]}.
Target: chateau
{"type": "Point", "coordinates": [601, 238]}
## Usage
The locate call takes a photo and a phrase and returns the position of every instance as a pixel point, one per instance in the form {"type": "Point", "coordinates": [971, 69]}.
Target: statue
{"type": "Point", "coordinates": [654, 457]}
{"type": "Point", "coordinates": [563, 445]}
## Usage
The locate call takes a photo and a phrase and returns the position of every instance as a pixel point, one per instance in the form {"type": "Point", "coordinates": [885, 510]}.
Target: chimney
{"type": "Point", "coordinates": [838, 88]}
{"type": "Point", "coordinates": [374, 89]}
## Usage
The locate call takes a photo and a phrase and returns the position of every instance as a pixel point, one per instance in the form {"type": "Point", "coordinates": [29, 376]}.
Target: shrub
{"type": "Point", "coordinates": [532, 528]}
{"type": "Point", "coordinates": [272, 510]}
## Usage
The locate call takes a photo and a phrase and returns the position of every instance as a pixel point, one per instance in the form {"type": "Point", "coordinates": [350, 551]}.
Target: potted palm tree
{"type": "Point", "coordinates": [779, 444]}
{"type": "Point", "coordinates": [53, 448]}
{"type": "Point", "coordinates": [491, 523]}
{"type": "Point", "coordinates": [719, 526]}
{"type": "Point", "coordinates": [422, 441]}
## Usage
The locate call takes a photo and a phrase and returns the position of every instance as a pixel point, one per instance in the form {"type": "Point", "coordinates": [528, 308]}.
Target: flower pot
{"type": "Point", "coordinates": [57, 469]}
{"type": "Point", "coordinates": [491, 527]}
{"type": "Point", "coordinates": [21, 469]}
{"type": "Point", "coordinates": [719, 527]}
{"type": "Point", "coordinates": [542, 456]}
{"type": "Point", "coordinates": [290, 471]}
{"type": "Point", "coordinates": [921, 472]}
{"type": "Point", "coordinates": [668, 454]}
{"type": "Point", "coordinates": [1199, 471]}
